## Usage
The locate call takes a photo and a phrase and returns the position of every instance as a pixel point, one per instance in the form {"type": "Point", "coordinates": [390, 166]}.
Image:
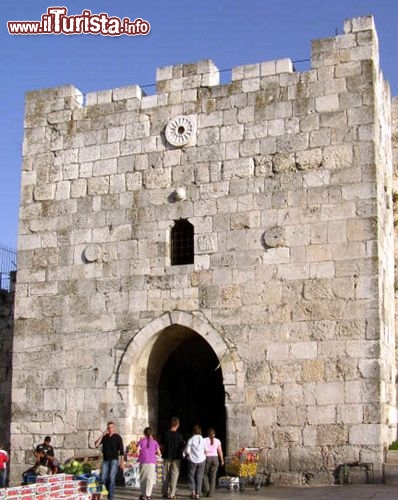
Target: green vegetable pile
{"type": "Point", "coordinates": [77, 468]}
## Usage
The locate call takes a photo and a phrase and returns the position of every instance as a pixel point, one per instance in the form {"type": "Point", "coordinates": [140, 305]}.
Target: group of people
{"type": "Point", "coordinates": [204, 456]}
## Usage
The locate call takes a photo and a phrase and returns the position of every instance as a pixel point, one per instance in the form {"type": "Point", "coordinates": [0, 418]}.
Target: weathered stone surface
{"type": "Point", "coordinates": [287, 185]}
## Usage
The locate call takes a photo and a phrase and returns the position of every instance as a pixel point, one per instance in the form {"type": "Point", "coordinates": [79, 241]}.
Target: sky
{"type": "Point", "coordinates": [229, 32]}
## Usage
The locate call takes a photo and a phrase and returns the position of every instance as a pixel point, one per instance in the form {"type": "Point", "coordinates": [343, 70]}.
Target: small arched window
{"type": "Point", "coordinates": [182, 246]}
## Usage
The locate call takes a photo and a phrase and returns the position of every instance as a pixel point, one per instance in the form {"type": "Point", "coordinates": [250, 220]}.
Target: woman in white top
{"type": "Point", "coordinates": [195, 453]}
{"type": "Point", "coordinates": [214, 458]}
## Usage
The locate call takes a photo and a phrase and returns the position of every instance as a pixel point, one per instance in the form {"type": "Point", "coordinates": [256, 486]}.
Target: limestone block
{"type": "Point", "coordinates": [115, 134]}
{"type": "Point", "coordinates": [138, 300]}
{"type": "Point", "coordinates": [244, 167]}
{"type": "Point", "coordinates": [364, 434]}
{"type": "Point", "coordinates": [136, 130]}
{"type": "Point", "coordinates": [359, 191]}
{"type": "Point", "coordinates": [210, 78]}
{"type": "Point", "coordinates": [322, 415]}
{"type": "Point", "coordinates": [290, 144]}
{"type": "Point", "coordinates": [313, 370]}
{"type": "Point", "coordinates": [369, 368]}
{"type": "Point", "coordinates": [230, 296]}
{"type": "Point", "coordinates": [328, 103]}
{"type": "Point", "coordinates": [160, 178]}
{"type": "Point", "coordinates": [331, 435]}
{"type": "Point", "coordinates": [44, 192]}
{"type": "Point", "coordinates": [360, 116]}
{"type": "Point", "coordinates": [268, 68]}
{"type": "Point", "coordinates": [245, 115]}
{"type": "Point", "coordinates": [164, 73]}
{"type": "Point", "coordinates": [29, 241]}
{"type": "Point", "coordinates": [129, 92]}
{"type": "Point", "coordinates": [62, 190]}
{"type": "Point", "coordinates": [54, 399]}
{"type": "Point", "coordinates": [59, 116]}
{"type": "Point", "coordinates": [350, 414]}
{"type": "Point", "coordinates": [330, 393]}
{"type": "Point", "coordinates": [319, 138]}
{"type": "Point", "coordinates": [276, 256]}
{"type": "Point", "coordinates": [290, 415]}
{"type": "Point", "coordinates": [251, 85]}
{"type": "Point", "coordinates": [149, 101]}
{"type": "Point", "coordinates": [276, 127]}
{"type": "Point", "coordinates": [89, 153]}
{"type": "Point", "coordinates": [270, 394]}
{"type": "Point", "coordinates": [390, 473]}
{"type": "Point", "coordinates": [392, 457]}
{"type": "Point", "coordinates": [263, 417]}
{"type": "Point", "coordinates": [212, 152]}
{"type": "Point", "coordinates": [281, 110]}
{"type": "Point", "coordinates": [358, 24]}
{"type": "Point", "coordinates": [117, 183]}
{"type": "Point", "coordinates": [213, 119]}
{"type": "Point", "coordinates": [345, 41]}
{"type": "Point", "coordinates": [283, 66]}
{"type": "Point", "coordinates": [231, 133]}
{"type": "Point", "coordinates": [293, 271]}
{"type": "Point", "coordinates": [277, 351]}
{"type": "Point", "coordinates": [44, 288]}
{"type": "Point", "coordinates": [109, 150]}
{"type": "Point", "coordinates": [255, 131]}
{"type": "Point", "coordinates": [304, 350]}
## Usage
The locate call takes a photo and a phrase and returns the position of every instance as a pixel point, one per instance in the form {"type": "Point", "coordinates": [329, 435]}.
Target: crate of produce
{"type": "Point", "coordinates": [243, 463]}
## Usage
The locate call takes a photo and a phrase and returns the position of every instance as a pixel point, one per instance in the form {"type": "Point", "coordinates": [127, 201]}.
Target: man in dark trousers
{"type": "Point", "coordinates": [112, 451]}
{"type": "Point", "coordinates": [172, 446]}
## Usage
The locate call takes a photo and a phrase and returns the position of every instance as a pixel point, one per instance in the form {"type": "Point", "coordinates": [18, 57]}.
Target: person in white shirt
{"type": "Point", "coordinates": [195, 453]}
{"type": "Point", "coordinates": [214, 458]}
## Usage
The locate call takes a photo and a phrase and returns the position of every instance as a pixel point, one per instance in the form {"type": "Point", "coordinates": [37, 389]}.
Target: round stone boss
{"type": "Point", "coordinates": [180, 130]}
{"type": "Point", "coordinates": [92, 252]}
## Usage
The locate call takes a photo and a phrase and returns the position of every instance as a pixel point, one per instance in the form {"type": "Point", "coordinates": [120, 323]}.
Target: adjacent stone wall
{"type": "Point", "coordinates": [6, 337]}
{"type": "Point", "coordinates": [288, 186]}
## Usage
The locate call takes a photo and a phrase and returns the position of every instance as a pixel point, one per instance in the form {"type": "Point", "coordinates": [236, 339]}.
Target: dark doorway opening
{"type": "Point", "coordinates": [190, 386]}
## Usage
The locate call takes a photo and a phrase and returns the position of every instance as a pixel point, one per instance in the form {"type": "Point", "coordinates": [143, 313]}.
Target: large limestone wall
{"type": "Point", "coordinates": [288, 182]}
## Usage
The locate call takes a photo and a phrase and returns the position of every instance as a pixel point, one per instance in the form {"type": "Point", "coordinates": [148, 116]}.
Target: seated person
{"type": "Point", "coordinates": [46, 463]}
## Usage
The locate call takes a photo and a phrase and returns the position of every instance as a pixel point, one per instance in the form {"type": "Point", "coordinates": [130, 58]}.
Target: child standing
{"type": "Point", "coordinates": [148, 450]}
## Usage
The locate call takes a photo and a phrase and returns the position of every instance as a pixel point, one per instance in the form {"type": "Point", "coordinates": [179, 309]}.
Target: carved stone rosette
{"type": "Point", "coordinates": [180, 130]}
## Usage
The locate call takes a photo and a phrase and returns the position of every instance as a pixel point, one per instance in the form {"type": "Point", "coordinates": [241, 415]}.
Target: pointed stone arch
{"type": "Point", "coordinates": [133, 371]}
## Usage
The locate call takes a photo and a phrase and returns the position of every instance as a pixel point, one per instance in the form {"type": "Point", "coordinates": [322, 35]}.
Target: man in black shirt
{"type": "Point", "coordinates": [112, 450]}
{"type": "Point", "coordinates": [173, 444]}
{"type": "Point", "coordinates": [44, 450]}
{"type": "Point", "coordinates": [45, 459]}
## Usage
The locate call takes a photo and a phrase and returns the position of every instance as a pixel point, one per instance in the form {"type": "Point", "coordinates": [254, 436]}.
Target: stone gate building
{"type": "Point", "coordinates": [220, 252]}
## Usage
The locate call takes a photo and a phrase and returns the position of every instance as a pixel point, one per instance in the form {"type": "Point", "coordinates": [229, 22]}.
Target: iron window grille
{"type": "Point", "coordinates": [182, 243]}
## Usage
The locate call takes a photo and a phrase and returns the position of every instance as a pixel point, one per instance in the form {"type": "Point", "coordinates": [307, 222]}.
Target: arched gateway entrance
{"type": "Point", "coordinates": [190, 383]}
{"type": "Point", "coordinates": [178, 364]}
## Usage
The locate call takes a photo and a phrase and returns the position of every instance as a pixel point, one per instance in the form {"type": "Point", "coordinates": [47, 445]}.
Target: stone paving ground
{"type": "Point", "coordinates": [340, 492]}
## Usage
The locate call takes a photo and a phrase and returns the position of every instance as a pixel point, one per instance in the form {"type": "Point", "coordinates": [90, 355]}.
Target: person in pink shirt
{"type": "Point", "coordinates": [148, 451]}
{"type": "Point", "coordinates": [214, 458]}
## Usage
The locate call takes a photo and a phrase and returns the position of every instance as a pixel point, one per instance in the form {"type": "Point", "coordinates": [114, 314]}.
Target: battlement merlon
{"type": "Point", "coordinates": [359, 42]}
{"type": "Point", "coordinates": [343, 52]}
